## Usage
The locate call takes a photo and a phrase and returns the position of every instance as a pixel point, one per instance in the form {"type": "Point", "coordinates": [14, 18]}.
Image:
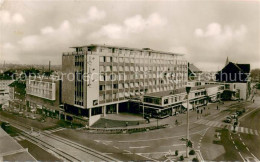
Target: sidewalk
{"type": "Point", "coordinates": [211, 109]}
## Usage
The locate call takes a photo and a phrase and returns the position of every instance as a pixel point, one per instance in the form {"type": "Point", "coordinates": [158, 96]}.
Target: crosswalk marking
{"type": "Point", "coordinates": [246, 130]}
{"type": "Point", "coordinates": [256, 133]}
{"type": "Point", "coordinates": [228, 126]}
{"type": "Point", "coordinates": [242, 129]}
{"type": "Point", "coordinates": [251, 131]}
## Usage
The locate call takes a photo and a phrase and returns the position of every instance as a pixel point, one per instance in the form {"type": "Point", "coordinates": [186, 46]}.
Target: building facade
{"type": "Point", "coordinates": [163, 104]}
{"type": "Point", "coordinates": [43, 96]}
{"type": "Point", "coordinates": [105, 77]}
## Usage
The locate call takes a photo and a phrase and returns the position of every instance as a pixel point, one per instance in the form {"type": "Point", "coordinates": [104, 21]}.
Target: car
{"type": "Point", "coordinates": [227, 120]}
{"type": "Point", "coordinates": [228, 117]}
{"type": "Point", "coordinates": [33, 117]}
{"type": "Point", "coordinates": [233, 116]}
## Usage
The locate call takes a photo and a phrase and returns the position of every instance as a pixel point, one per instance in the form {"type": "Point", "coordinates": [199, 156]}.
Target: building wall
{"type": "Point", "coordinates": [68, 87]}
{"type": "Point", "coordinates": [43, 102]}
{"type": "Point", "coordinates": [123, 73]}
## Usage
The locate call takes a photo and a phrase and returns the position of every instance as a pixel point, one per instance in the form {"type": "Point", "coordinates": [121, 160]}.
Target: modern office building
{"type": "Point", "coordinates": [43, 95]}
{"type": "Point", "coordinates": [100, 79]}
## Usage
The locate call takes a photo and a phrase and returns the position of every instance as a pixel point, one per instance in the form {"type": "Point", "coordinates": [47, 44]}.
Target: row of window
{"type": "Point", "coordinates": [137, 53]}
{"type": "Point", "coordinates": [140, 68]}
{"type": "Point", "coordinates": [140, 60]}
{"type": "Point", "coordinates": [169, 78]}
{"type": "Point", "coordinates": [134, 85]}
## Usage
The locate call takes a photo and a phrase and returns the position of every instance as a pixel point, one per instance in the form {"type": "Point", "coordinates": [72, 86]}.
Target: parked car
{"type": "Point", "coordinates": [234, 116]}
{"type": "Point", "coordinates": [33, 117]}
{"type": "Point", "coordinates": [227, 120]}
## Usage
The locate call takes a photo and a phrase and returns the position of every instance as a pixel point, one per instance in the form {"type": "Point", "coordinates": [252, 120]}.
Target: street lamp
{"type": "Point", "coordinates": [187, 147]}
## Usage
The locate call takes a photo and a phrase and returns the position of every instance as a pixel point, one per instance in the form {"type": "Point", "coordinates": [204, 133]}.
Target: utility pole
{"type": "Point", "coordinates": [187, 147]}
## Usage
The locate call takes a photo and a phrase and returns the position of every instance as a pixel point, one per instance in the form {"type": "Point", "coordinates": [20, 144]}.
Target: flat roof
{"type": "Point", "coordinates": [178, 91]}
{"type": "Point", "coordinates": [128, 48]}
{"type": "Point", "coordinates": [11, 150]}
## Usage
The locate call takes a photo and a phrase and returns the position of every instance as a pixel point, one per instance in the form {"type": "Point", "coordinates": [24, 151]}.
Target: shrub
{"type": "Point", "coordinates": [195, 159]}
{"type": "Point", "coordinates": [192, 152]}
{"type": "Point", "coordinates": [181, 158]}
{"type": "Point", "coordinates": [176, 152]}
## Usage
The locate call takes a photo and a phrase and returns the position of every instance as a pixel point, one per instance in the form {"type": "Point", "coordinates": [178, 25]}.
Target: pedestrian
{"type": "Point", "coordinates": [126, 124]}
{"type": "Point", "coordinates": [201, 111]}
{"type": "Point", "coordinates": [204, 107]}
{"type": "Point", "coordinates": [253, 101]}
{"type": "Point", "coordinates": [217, 107]}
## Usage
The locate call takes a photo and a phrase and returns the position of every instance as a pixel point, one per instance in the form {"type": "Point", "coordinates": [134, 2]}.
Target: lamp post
{"type": "Point", "coordinates": [187, 147]}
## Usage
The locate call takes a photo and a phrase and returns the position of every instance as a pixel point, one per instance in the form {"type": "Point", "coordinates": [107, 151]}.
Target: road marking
{"type": "Point", "coordinates": [247, 149]}
{"type": "Point", "coordinates": [233, 142]}
{"type": "Point", "coordinates": [246, 130]}
{"type": "Point", "coordinates": [107, 153]}
{"type": "Point", "coordinates": [127, 151]}
{"type": "Point", "coordinates": [164, 138]}
{"type": "Point", "coordinates": [241, 156]}
{"type": "Point", "coordinates": [116, 147]}
{"type": "Point", "coordinates": [231, 137]}
{"type": "Point", "coordinates": [240, 138]}
{"type": "Point", "coordinates": [251, 131]}
{"type": "Point", "coordinates": [140, 154]}
{"type": "Point", "coordinates": [243, 143]}
{"type": "Point", "coordinates": [256, 133]}
{"type": "Point", "coordinates": [236, 129]}
{"type": "Point", "coordinates": [254, 157]}
{"type": "Point", "coordinates": [136, 147]}
{"type": "Point", "coordinates": [235, 146]}
{"type": "Point", "coordinates": [242, 129]}
{"type": "Point", "coordinates": [239, 135]}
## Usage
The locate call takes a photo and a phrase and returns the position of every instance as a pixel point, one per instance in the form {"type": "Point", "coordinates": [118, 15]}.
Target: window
{"type": "Point", "coordinates": [101, 87]}
{"type": "Point", "coordinates": [114, 68]}
{"type": "Point", "coordinates": [115, 86]}
{"type": "Point", "coordinates": [126, 85]}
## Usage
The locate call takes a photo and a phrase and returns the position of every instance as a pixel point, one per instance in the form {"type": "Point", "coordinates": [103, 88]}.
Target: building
{"type": "Point", "coordinates": [166, 103]}
{"type": "Point", "coordinates": [235, 78]}
{"type": "Point", "coordinates": [10, 150]}
{"type": "Point", "coordinates": [193, 72]}
{"type": "Point", "coordinates": [17, 94]}
{"type": "Point", "coordinates": [108, 76]}
{"type": "Point", "coordinates": [43, 96]}
{"type": "Point", "coordinates": [4, 91]}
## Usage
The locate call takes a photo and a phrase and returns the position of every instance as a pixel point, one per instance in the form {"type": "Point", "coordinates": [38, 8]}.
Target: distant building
{"type": "Point", "coordinates": [193, 72]}
{"type": "Point", "coordinates": [119, 73]}
{"type": "Point", "coordinates": [17, 93]}
{"type": "Point", "coordinates": [43, 95]}
{"type": "Point", "coordinates": [235, 78]}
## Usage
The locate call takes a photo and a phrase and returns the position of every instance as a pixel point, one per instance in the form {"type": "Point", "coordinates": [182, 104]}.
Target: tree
{"type": "Point", "coordinates": [255, 75]}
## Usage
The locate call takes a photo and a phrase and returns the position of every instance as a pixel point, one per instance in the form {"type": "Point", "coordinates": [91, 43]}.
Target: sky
{"type": "Point", "coordinates": [206, 31]}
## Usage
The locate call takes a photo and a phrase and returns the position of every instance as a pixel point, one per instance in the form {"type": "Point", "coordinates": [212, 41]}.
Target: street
{"type": "Point", "coordinates": [154, 145]}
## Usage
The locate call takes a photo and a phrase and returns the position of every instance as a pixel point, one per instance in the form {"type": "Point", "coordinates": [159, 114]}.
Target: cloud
{"type": "Point", "coordinates": [135, 24]}
{"type": "Point", "coordinates": [92, 14]}
{"type": "Point", "coordinates": [221, 33]}
{"type": "Point", "coordinates": [47, 30]}
{"type": "Point", "coordinates": [7, 18]}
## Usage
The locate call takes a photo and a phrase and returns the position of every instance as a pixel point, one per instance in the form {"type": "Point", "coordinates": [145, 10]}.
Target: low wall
{"type": "Point", "coordinates": [126, 130]}
{"type": "Point", "coordinates": [94, 119]}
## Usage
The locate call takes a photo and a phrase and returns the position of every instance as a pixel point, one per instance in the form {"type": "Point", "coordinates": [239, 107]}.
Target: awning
{"type": "Point", "coordinates": [126, 94]}
{"type": "Point", "coordinates": [142, 93]}
{"type": "Point", "coordinates": [137, 93]}
{"type": "Point", "coordinates": [132, 94]}
{"type": "Point", "coordinates": [185, 106]}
